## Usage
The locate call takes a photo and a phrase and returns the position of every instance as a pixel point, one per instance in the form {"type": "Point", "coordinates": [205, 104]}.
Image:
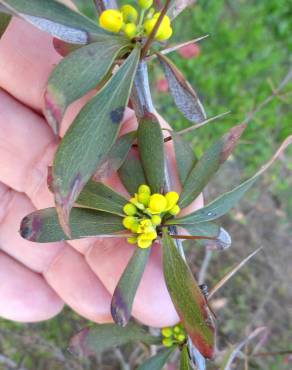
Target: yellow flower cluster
{"type": "Point", "coordinates": [173, 335]}
{"type": "Point", "coordinates": [145, 212]}
{"type": "Point", "coordinates": [132, 24]}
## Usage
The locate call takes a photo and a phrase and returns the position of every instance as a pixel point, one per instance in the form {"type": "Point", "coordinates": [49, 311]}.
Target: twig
{"type": "Point", "coordinates": [182, 44]}
{"type": "Point", "coordinates": [155, 28]}
{"type": "Point", "coordinates": [275, 93]}
{"type": "Point", "coordinates": [120, 357]}
{"type": "Point", "coordinates": [204, 266]}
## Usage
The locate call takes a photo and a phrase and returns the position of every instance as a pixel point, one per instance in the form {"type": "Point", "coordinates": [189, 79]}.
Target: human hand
{"type": "Point", "coordinates": [38, 278]}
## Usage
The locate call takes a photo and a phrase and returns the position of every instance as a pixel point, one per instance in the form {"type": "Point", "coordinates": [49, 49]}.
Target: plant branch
{"type": "Point", "coordinates": [155, 28]}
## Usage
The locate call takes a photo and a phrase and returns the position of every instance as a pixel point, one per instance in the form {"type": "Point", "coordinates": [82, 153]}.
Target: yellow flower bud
{"type": "Point", "coordinates": [180, 338]}
{"type": "Point", "coordinates": [136, 203]}
{"type": "Point", "coordinates": [177, 329]}
{"type": "Point", "coordinates": [167, 342]}
{"type": "Point", "coordinates": [164, 33]}
{"type": "Point", "coordinates": [129, 221]}
{"type": "Point", "coordinates": [130, 14]}
{"type": "Point", "coordinates": [149, 25]}
{"type": "Point", "coordinates": [151, 235]}
{"type": "Point", "coordinates": [166, 332]}
{"type": "Point", "coordinates": [111, 20]}
{"type": "Point", "coordinates": [132, 240]}
{"type": "Point", "coordinates": [144, 198]}
{"type": "Point", "coordinates": [175, 210]}
{"type": "Point", "coordinates": [172, 198]}
{"type": "Point", "coordinates": [165, 19]}
{"type": "Point", "coordinates": [129, 209]}
{"type": "Point", "coordinates": [143, 243]}
{"type": "Point", "coordinates": [145, 4]}
{"type": "Point", "coordinates": [144, 189]}
{"type": "Point", "coordinates": [145, 226]}
{"type": "Point", "coordinates": [156, 220]}
{"type": "Point", "coordinates": [130, 30]}
{"type": "Point", "coordinates": [157, 203]}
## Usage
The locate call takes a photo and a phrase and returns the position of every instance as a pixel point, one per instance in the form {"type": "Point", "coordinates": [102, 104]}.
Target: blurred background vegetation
{"type": "Point", "coordinates": [248, 51]}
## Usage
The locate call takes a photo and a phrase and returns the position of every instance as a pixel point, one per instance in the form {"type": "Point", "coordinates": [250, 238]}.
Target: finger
{"type": "Point", "coordinates": [24, 294]}
{"type": "Point", "coordinates": [71, 277]}
{"type": "Point", "coordinates": [13, 207]}
{"type": "Point", "coordinates": [152, 305]}
{"type": "Point", "coordinates": [27, 57]}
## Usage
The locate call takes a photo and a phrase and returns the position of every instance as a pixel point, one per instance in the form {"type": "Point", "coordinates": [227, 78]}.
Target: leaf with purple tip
{"type": "Point", "coordinates": [187, 298]}
{"type": "Point", "coordinates": [183, 94]}
{"type": "Point", "coordinates": [57, 20]}
{"type": "Point", "coordinates": [157, 361]}
{"type": "Point", "coordinates": [225, 202]}
{"type": "Point", "coordinates": [151, 150]}
{"type": "Point", "coordinates": [131, 172]}
{"type": "Point", "coordinates": [4, 22]}
{"type": "Point", "coordinates": [209, 164]}
{"type": "Point", "coordinates": [124, 294]}
{"type": "Point", "coordinates": [43, 226]}
{"type": "Point", "coordinates": [90, 138]}
{"type": "Point", "coordinates": [94, 340]}
{"type": "Point", "coordinates": [78, 73]}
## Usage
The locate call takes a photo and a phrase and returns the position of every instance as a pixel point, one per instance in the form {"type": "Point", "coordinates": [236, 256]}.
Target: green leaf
{"type": "Point", "coordinates": [116, 156]}
{"type": "Point", "coordinates": [92, 341]}
{"type": "Point", "coordinates": [96, 195]}
{"type": "Point", "coordinates": [4, 22]}
{"type": "Point", "coordinates": [187, 298]}
{"type": "Point", "coordinates": [183, 94]}
{"type": "Point", "coordinates": [78, 73]}
{"type": "Point", "coordinates": [208, 165]}
{"type": "Point", "coordinates": [131, 172]}
{"type": "Point", "coordinates": [158, 361]}
{"type": "Point", "coordinates": [90, 138]}
{"type": "Point", "coordinates": [225, 202]}
{"type": "Point", "coordinates": [87, 7]}
{"type": "Point", "coordinates": [184, 155]}
{"type": "Point", "coordinates": [184, 359]}
{"type": "Point", "coordinates": [43, 226]}
{"type": "Point", "coordinates": [56, 19]}
{"type": "Point", "coordinates": [124, 294]}
{"type": "Point", "coordinates": [212, 231]}
{"type": "Point", "coordinates": [151, 149]}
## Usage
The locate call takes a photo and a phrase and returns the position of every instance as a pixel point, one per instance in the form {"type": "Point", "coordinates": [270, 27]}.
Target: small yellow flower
{"type": "Point", "coordinates": [177, 329]}
{"type": "Point", "coordinates": [135, 201]}
{"type": "Point", "coordinates": [166, 332]}
{"type": "Point", "coordinates": [144, 189]}
{"type": "Point", "coordinates": [130, 30]}
{"type": "Point", "coordinates": [143, 243]}
{"type": "Point", "coordinates": [130, 14]}
{"type": "Point", "coordinates": [111, 20]}
{"type": "Point", "coordinates": [172, 198]}
{"type": "Point", "coordinates": [157, 203]}
{"type": "Point", "coordinates": [145, 226]}
{"type": "Point", "coordinates": [145, 4]}
{"type": "Point", "coordinates": [167, 342]}
{"type": "Point", "coordinates": [164, 30]}
{"type": "Point", "coordinates": [163, 33]}
{"type": "Point", "coordinates": [175, 210]}
{"type": "Point", "coordinates": [156, 220]}
{"type": "Point", "coordinates": [144, 198]}
{"type": "Point", "coordinates": [129, 209]}
{"type": "Point", "coordinates": [129, 222]}
{"type": "Point", "coordinates": [165, 19]}
{"type": "Point", "coordinates": [180, 338]}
